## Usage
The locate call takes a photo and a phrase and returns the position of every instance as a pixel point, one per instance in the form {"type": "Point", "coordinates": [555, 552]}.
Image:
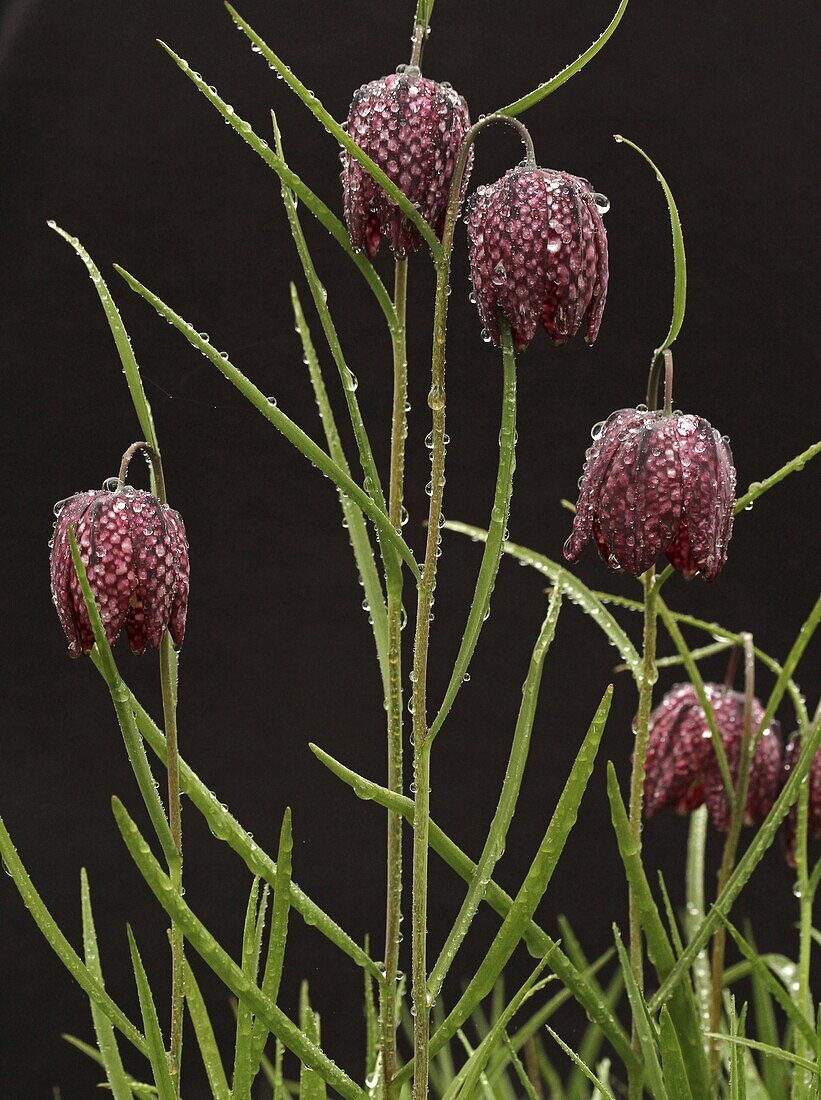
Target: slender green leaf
{"type": "Point", "coordinates": [644, 1026]}
{"type": "Point", "coordinates": [679, 260]}
{"type": "Point", "coordinates": [767, 1029]}
{"type": "Point", "coordinates": [242, 1079]}
{"type": "Point", "coordinates": [800, 644]}
{"type": "Point", "coordinates": [775, 1052]}
{"type": "Point", "coordinates": [758, 488]}
{"type": "Point", "coordinates": [520, 1071]}
{"type": "Point", "coordinates": [371, 1025]}
{"type": "Point", "coordinates": [672, 1060]}
{"type": "Point", "coordinates": [157, 1054]}
{"type": "Point", "coordinates": [683, 1007]}
{"type": "Point", "coordinates": [139, 1089]}
{"type": "Point", "coordinates": [88, 982]}
{"type": "Point", "coordinates": [506, 807]}
{"type": "Point", "coordinates": [694, 911]}
{"type": "Point", "coordinates": [103, 1028]}
{"type": "Point", "coordinates": [492, 553]}
{"type": "Point", "coordinates": [206, 1040]}
{"type": "Point", "coordinates": [275, 960]}
{"type": "Point", "coordinates": [672, 923]}
{"type": "Point", "coordinates": [535, 882]}
{"type": "Point", "coordinates": [283, 424]}
{"type": "Point", "coordinates": [537, 940]}
{"type": "Point", "coordinates": [586, 1070]}
{"type": "Point", "coordinates": [568, 71]}
{"type": "Point", "coordinates": [226, 828]}
{"type": "Point", "coordinates": [223, 965]}
{"type": "Point", "coordinates": [323, 213]}
{"type": "Point", "coordinates": [311, 1085]}
{"type": "Point", "coordinates": [593, 1039]}
{"type": "Point", "coordinates": [342, 136]}
{"type": "Point", "coordinates": [579, 593]}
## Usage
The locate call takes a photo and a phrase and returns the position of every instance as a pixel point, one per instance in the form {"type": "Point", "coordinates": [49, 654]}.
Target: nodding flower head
{"type": "Point", "coordinates": [654, 484]}
{"type": "Point", "coordinates": [136, 556]}
{"type": "Point", "coordinates": [538, 254]}
{"type": "Point", "coordinates": [788, 830]}
{"type": "Point", "coordinates": [413, 128]}
{"type": "Point", "coordinates": [682, 770]}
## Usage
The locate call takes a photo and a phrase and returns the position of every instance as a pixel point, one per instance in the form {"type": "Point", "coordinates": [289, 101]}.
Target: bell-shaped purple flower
{"type": "Point", "coordinates": [136, 555]}
{"type": "Point", "coordinates": [654, 484]}
{"type": "Point", "coordinates": [413, 128]}
{"type": "Point", "coordinates": [788, 829]}
{"type": "Point", "coordinates": [682, 771]}
{"type": "Point", "coordinates": [538, 253]}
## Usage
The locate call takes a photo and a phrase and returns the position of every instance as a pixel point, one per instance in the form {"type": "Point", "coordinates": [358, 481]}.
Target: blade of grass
{"type": "Point", "coordinates": [224, 826]}
{"type": "Point", "coordinates": [645, 1028]}
{"type": "Point", "coordinates": [588, 1073]}
{"type": "Point", "coordinates": [342, 136]}
{"type": "Point", "coordinates": [534, 885]}
{"type": "Point", "coordinates": [323, 213]}
{"type": "Point", "coordinates": [694, 911]}
{"type": "Point", "coordinates": [103, 1028]}
{"type": "Point", "coordinates": [497, 833]}
{"type": "Point", "coordinates": [767, 1029]}
{"type": "Point", "coordinates": [800, 644]}
{"type": "Point", "coordinates": [88, 982]}
{"type": "Point", "coordinates": [578, 592]}
{"type": "Point", "coordinates": [311, 1085]}
{"type": "Point", "coordinates": [157, 1055]}
{"type": "Point", "coordinates": [672, 1059]}
{"type": "Point", "coordinates": [139, 1088]}
{"type": "Point", "coordinates": [550, 86]}
{"type": "Point", "coordinates": [758, 488]}
{"type": "Point", "coordinates": [775, 1052]}
{"type": "Point", "coordinates": [223, 965]}
{"type": "Point", "coordinates": [283, 424]}
{"type": "Point", "coordinates": [242, 1080]}
{"type": "Point", "coordinates": [537, 940]}
{"type": "Point", "coordinates": [492, 553]}
{"type": "Point", "coordinates": [206, 1040]}
{"type": "Point", "coordinates": [371, 1025]}
{"type": "Point", "coordinates": [593, 1039]}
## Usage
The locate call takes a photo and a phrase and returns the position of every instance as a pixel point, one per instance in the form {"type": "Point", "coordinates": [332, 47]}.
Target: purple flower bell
{"type": "Point", "coordinates": [136, 555]}
{"type": "Point", "coordinates": [413, 128]}
{"type": "Point", "coordinates": [654, 484]}
{"type": "Point", "coordinates": [682, 771]}
{"type": "Point", "coordinates": [538, 254]}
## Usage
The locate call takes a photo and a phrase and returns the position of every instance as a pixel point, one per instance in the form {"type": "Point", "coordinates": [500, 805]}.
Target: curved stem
{"type": "Point", "coordinates": [393, 906]}
{"type": "Point", "coordinates": [731, 846]}
{"type": "Point", "coordinates": [649, 675]}
{"type": "Point", "coordinates": [153, 456]}
{"type": "Point", "coordinates": [427, 585]}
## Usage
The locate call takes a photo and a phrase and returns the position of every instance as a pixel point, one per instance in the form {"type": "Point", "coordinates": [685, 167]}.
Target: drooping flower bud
{"type": "Point", "coordinates": [413, 128]}
{"type": "Point", "coordinates": [136, 555]}
{"type": "Point", "coordinates": [538, 253]}
{"type": "Point", "coordinates": [788, 829]}
{"type": "Point", "coordinates": [654, 484]}
{"type": "Point", "coordinates": [682, 770]}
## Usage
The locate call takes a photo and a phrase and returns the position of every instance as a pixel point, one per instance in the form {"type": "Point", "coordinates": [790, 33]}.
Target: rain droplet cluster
{"type": "Point", "coordinates": [136, 556]}
{"type": "Point", "coordinates": [682, 770]}
{"type": "Point", "coordinates": [654, 484]}
{"type": "Point", "coordinates": [413, 128]}
{"type": "Point", "coordinates": [538, 253]}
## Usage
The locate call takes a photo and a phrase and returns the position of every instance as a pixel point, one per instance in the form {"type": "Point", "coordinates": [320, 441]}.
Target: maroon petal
{"type": "Point", "coordinates": [68, 513]}
{"type": "Point", "coordinates": [178, 560]}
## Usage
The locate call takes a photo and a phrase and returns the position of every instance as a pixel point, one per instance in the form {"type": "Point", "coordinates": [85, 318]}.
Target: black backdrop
{"type": "Point", "coordinates": [104, 134]}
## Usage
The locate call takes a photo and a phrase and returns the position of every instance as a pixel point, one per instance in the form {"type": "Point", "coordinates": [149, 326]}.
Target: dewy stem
{"type": "Point", "coordinates": [168, 688]}
{"type": "Point", "coordinates": [806, 896]}
{"type": "Point", "coordinates": [649, 675]}
{"type": "Point", "coordinates": [393, 905]}
{"type": "Point", "coordinates": [731, 847]}
{"type": "Point", "coordinates": [427, 585]}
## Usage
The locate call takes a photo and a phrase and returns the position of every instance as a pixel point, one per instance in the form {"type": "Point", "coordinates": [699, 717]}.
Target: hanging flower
{"type": "Point", "coordinates": [538, 253]}
{"type": "Point", "coordinates": [413, 128]}
{"type": "Point", "coordinates": [136, 555]}
{"type": "Point", "coordinates": [788, 830]}
{"type": "Point", "coordinates": [682, 770]}
{"type": "Point", "coordinates": [654, 484]}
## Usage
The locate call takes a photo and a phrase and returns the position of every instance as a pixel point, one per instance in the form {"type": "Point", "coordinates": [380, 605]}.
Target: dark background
{"type": "Point", "coordinates": [105, 135]}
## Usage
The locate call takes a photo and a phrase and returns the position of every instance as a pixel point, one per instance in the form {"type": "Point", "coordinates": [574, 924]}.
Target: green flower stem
{"type": "Point", "coordinates": [758, 488]}
{"type": "Point", "coordinates": [393, 701]}
{"type": "Point", "coordinates": [645, 684]}
{"type": "Point", "coordinates": [806, 898]}
{"type": "Point", "coordinates": [292, 432]}
{"type": "Point", "coordinates": [492, 555]}
{"type": "Point", "coordinates": [497, 833]}
{"type": "Point", "coordinates": [738, 806]}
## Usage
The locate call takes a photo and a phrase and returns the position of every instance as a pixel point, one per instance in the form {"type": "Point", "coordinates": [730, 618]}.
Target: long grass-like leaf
{"type": "Point", "coordinates": [580, 1065]}
{"type": "Point", "coordinates": [323, 213]}
{"type": "Point", "coordinates": [506, 807]}
{"type": "Point", "coordinates": [206, 1040]}
{"type": "Point", "coordinates": [492, 554]}
{"type": "Point", "coordinates": [139, 1089]}
{"type": "Point", "coordinates": [758, 488]}
{"type": "Point", "coordinates": [241, 1080]}
{"type": "Point", "coordinates": [225, 827]}
{"type": "Point", "coordinates": [103, 1028]}
{"type": "Point", "coordinates": [88, 982]}
{"type": "Point", "coordinates": [157, 1055]}
{"type": "Point", "coordinates": [767, 1030]}
{"type": "Point", "coordinates": [352, 517]}
{"type": "Point", "coordinates": [568, 71]}
{"type": "Point", "coordinates": [342, 136]}
{"type": "Point", "coordinates": [800, 644]}
{"type": "Point", "coordinates": [593, 1039]}
{"type": "Point", "coordinates": [311, 1085]}
{"type": "Point", "coordinates": [672, 1059]}
{"type": "Point", "coordinates": [223, 965]}
{"type": "Point", "coordinates": [534, 885]}
{"type": "Point", "coordinates": [537, 940]}
{"type": "Point", "coordinates": [643, 1024]}
{"type": "Point", "coordinates": [578, 592]}
{"type": "Point", "coordinates": [775, 1052]}
{"type": "Point", "coordinates": [292, 432]}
